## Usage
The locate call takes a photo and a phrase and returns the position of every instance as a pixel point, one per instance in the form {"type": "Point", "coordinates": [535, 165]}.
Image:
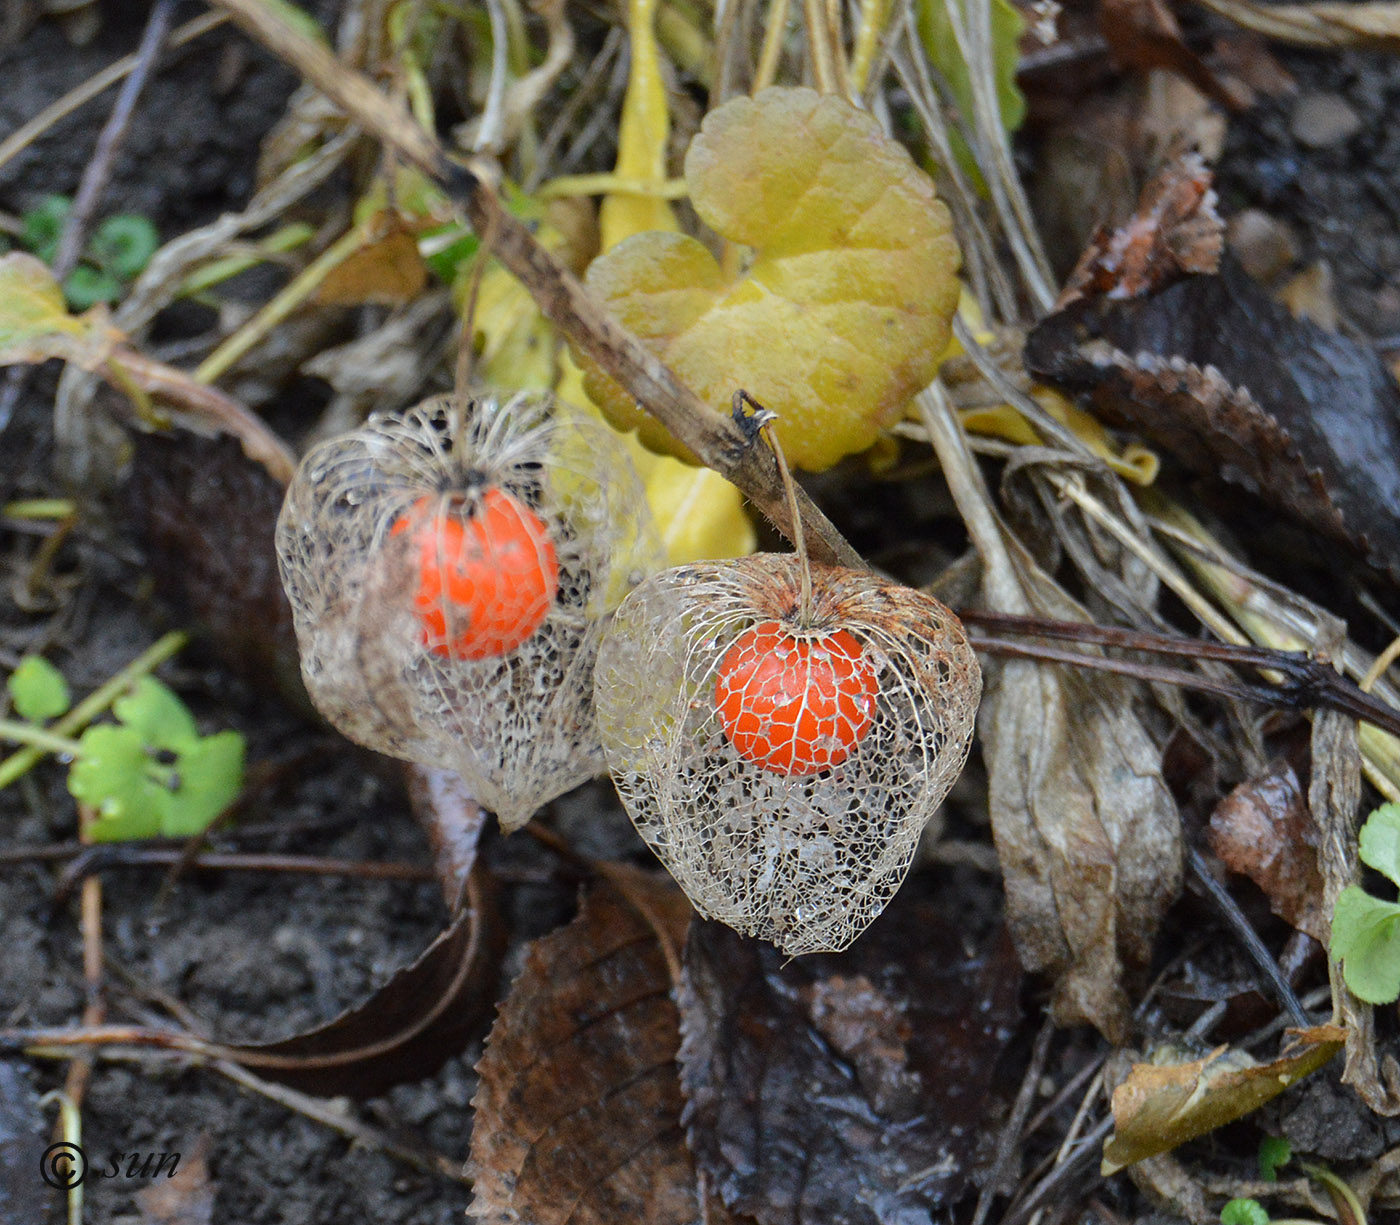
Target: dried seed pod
{"type": "Point", "coordinates": [450, 571]}
{"type": "Point", "coordinates": [783, 767]}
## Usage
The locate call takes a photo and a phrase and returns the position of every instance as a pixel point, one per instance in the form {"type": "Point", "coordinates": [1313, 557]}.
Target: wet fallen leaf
{"type": "Point", "coordinates": [1160, 1106]}
{"type": "Point", "coordinates": [428, 1011]}
{"type": "Point", "coordinates": [1211, 369]}
{"type": "Point", "coordinates": [185, 1197]}
{"type": "Point", "coordinates": [848, 1088]}
{"type": "Point", "coordinates": [578, 1112]}
{"type": "Point", "coordinates": [207, 513]}
{"type": "Point", "coordinates": [1263, 830]}
{"type": "Point", "coordinates": [841, 315]}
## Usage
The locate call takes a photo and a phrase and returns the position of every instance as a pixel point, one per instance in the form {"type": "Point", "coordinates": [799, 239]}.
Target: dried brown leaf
{"type": "Point", "coordinates": [578, 1112]}
{"type": "Point", "coordinates": [387, 269]}
{"type": "Point", "coordinates": [428, 1011]}
{"type": "Point", "coordinates": [1160, 1106]}
{"type": "Point", "coordinates": [848, 1088]}
{"type": "Point", "coordinates": [1085, 827]}
{"type": "Point", "coordinates": [1263, 830]}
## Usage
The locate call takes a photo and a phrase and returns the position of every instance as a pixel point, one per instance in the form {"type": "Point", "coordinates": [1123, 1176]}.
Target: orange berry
{"type": "Point", "coordinates": [486, 583]}
{"type": "Point", "coordinates": [795, 705]}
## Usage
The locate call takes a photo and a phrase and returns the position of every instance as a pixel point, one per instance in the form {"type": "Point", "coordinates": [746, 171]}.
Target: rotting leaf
{"type": "Point", "coordinates": [207, 514]}
{"type": "Point", "coordinates": [1263, 830]}
{"type": "Point", "coordinates": [1086, 830]}
{"type": "Point", "coordinates": [425, 1013]}
{"type": "Point", "coordinates": [578, 1111]}
{"type": "Point", "coordinates": [843, 1089]}
{"type": "Point", "coordinates": [185, 1196]}
{"type": "Point", "coordinates": [1211, 369]}
{"type": "Point", "coordinates": [841, 315]}
{"type": "Point", "coordinates": [1162, 1105]}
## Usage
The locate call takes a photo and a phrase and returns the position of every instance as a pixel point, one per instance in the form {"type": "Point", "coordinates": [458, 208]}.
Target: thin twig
{"type": "Point", "coordinates": [1012, 1134]}
{"type": "Point", "coordinates": [98, 172]}
{"type": "Point", "coordinates": [1234, 917]}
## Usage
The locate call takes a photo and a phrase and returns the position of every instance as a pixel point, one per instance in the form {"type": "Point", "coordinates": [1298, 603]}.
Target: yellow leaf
{"type": "Point", "coordinates": [845, 308]}
{"type": "Point", "coordinates": [642, 134]}
{"type": "Point", "coordinates": [1161, 1106]}
{"type": "Point", "coordinates": [34, 321]}
{"type": "Point", "coordinates": [699, 515]}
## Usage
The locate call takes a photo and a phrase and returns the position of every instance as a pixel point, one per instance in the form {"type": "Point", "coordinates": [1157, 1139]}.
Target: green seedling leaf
{"type": "Point", "coordinates": [1275, 1152]}
{"type": "Point", "coordinates": [1380, 841]}
{"type": "Point", "coordinates": [846, 305]}
{"type": "Point", "coordinates": [936, 33]}
{"type": "Point", "coordinates": [1244, 1212]}
{"type": "Point", "coordinates": [1366, 940]}
{"type": "Point", "coordinates": [86, 286]}
{"type": "Point", "coordinates": [111, 776]}
{"type": "Point", "coordinates": [153, 773]}
{"type": "Point", "coordinates": [210, 775]}
{"type": "Point", "coordinates": [446, 247]}
{"type": "Point", "coordinates": [154, 711]}
{"type": "Point", "coordinates": [34, 321]}
{"type": "Point", "coordinates": [38, 689]}
{"type": "Point", "coordinates": [41, 226]}
{"type": "Point", "coordinates": [123, 245]}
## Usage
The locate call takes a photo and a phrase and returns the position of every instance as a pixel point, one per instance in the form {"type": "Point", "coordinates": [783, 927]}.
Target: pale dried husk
{"type": "Point", "coordinates": [519, 727]}
{"type": "Point", "coordinates": [803, 861]}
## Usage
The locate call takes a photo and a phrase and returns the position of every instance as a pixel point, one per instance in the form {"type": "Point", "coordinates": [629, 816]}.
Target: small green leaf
{"type": "Point", "coordinates": [158, 715]}
{"type": "Point", "coordinates": [444, 260]}
{"type": "Point", "coordinates": [1244, 1212]}
{"type": "Point", "coordinates": [210, 774]}
{"type": "Point", "coordinates": [123, 245]}
{"type": "Point", "coordinates": [1380, 841]}
{"type": "Point", "coordinates": [110, 776]}
{"type": "Point", "coordinates": [38, 689]}
{"type": "Point", "coordinates": [1366, 940]}
{"type": "Point", "coordinates": [1274, 1153]}
{"type": "Point", "coordinates": [41, 226]}
{"type": "Point", "coordinates": [86, 286]}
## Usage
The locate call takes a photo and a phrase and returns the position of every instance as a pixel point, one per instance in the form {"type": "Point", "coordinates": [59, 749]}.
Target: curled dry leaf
{"type": "Point", "coordinates": [578, 1110]}
{"type": "Point", "coordinates": [848, 300]}
{"type": "Point", "coordinates": [428, 1011]}
{"type": "Point", "coordinates": [1086, 830]}
{"type": "Point", "coordinates": [1162, 1105]}
{"type": "Point", "coordinates": [783, 769]}
{"type": "Point", "coordinates": [843, 1090]}
{"type": "Point", "coordinates": [450, 572]}
{"type": "Point", "coordinates": [1263, 830]}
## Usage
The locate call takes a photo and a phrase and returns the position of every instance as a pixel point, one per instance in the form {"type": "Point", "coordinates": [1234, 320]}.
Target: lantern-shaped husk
{"type": "Point", "coordinates": [450, 571]}
{"type": "Point", "coordinates": [792, 822]}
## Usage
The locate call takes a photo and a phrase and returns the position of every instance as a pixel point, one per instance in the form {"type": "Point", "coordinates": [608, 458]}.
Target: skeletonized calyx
{"type": "Point", "coordinates": [450, 572]}
{"type": "Point", "coordinates": [783, 768]}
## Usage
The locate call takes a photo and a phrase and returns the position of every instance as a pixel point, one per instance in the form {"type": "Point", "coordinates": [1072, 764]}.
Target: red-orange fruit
{"type": "Point", "coordinates": [484, 583]}
{"type": "Point", "coordinates": [795, 705]}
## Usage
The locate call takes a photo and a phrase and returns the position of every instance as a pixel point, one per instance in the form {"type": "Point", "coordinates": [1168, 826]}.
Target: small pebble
{"type": "Point", "coordinates": [1264, 245]}
{"type": "Point", "coordinates": [1323, 120]}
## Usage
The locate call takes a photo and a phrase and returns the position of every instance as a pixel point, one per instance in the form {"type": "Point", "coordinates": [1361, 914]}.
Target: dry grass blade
{"type": "Point", "coordinates": [1371, 27]}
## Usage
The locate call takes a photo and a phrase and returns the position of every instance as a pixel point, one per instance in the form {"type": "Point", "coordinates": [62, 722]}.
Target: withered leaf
{"type": "Point", "coordinates": [1263, 830]}
{"type": "Point", "coordinates": [845, 1089]}
{"type": "Point", "coordinates": [185, 1197]}
{"type": "Point", "coordinates": [386, 269]}
{"type": "Point", "coordinates": [428, 1011]}
{"type": "Point", "coordinates": [1212, 370]}
{"type": "Point", "coordinates": [207, 514]}
{"type": "Point", "coordinates": [1162, 1105]}
{"type": "Point", "coordinates": [578, 1111]}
